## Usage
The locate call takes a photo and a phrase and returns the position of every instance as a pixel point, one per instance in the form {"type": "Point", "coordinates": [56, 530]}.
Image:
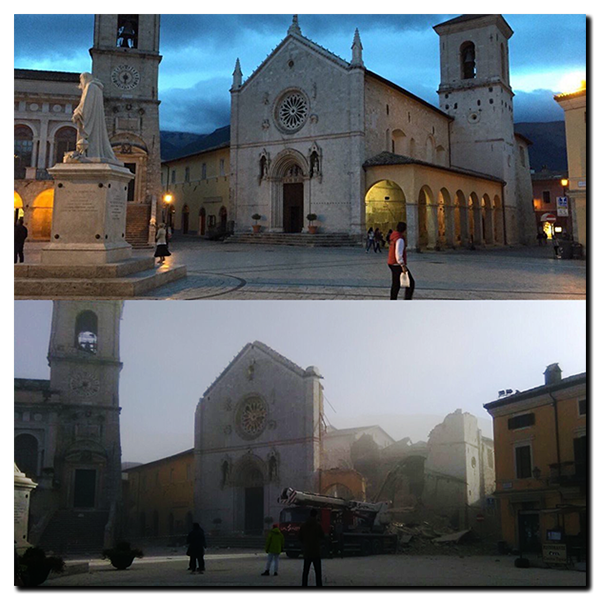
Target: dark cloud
{"type": "Point", "coordinates": [201, 109]}
{"type": "Point", "coordinates": [402, 48]}
{"type": "Point", "coordinates": [538, 106]}
{"type": "Point", "coordinates": [52, 36]}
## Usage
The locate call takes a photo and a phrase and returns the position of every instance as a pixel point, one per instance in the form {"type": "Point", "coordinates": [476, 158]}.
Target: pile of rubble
{"type": "Point", "coordinates": [426, 538]}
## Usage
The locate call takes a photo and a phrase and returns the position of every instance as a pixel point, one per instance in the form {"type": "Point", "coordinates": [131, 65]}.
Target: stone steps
{"type": "Point", "coordinates": [296, 239]}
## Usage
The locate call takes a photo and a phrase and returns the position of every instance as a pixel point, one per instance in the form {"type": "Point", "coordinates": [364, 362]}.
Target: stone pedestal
{"type": "Point", "coordinates": [89, 215]}
{"type": "Point", "coordinates": [23, 488]}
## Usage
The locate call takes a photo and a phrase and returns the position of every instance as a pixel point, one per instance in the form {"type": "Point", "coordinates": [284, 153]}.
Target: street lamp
{"type": "Point", "coordinates": [167, 199]}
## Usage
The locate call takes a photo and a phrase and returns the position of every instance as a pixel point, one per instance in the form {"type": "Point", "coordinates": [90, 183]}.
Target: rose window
{"type": "Point", "coordinates": [292, 111]}
{"type": "Point", "coordinates": [251, 418]}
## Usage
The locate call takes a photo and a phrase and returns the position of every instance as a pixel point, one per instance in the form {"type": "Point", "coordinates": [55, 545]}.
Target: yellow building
{"type": "Point", "coordinates": [540, 443]}
{"type": "Point", "coordinates": [159, 497]}
{"type": "Point", "coordinates": [575, 106]}
{"type": "Point", "coordinates": [197, 189]}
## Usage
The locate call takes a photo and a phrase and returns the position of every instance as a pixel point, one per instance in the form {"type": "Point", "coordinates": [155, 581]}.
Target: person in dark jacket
{"type": "Point", "coordinates": [310, 535]}
{"type": "Point", "coordinates": [196, 545]}
{"type": "Point", "coordinates": [20, 237]}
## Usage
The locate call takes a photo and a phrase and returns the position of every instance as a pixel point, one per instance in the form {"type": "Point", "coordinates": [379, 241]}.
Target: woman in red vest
{"type": "Point", "coordinates": [397, 262]}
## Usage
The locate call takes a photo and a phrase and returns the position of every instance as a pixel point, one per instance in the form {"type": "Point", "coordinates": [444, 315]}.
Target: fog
{"type": "Point", "coordinates": [403, 366]}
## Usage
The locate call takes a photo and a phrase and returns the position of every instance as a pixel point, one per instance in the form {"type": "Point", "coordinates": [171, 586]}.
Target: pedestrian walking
{"type": "Point", "coordinates": [20, 237]}
{"type": "Point", "coordinates": [273, 548]}
{"type": "Point", "coordinates": [378, 239]}
{"type": "Point", "coordinates": [370, 239]}
{"type": "Point", "coordinates": [310, 535]}
{"type": "Point", "coordinates": [397, 262]}
{"type": "Point", "coordinates": [162, 251]}
{"type": "Point", "coordinates": [196, 546]}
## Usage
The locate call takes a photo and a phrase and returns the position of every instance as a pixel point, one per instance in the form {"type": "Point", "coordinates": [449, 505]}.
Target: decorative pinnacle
{"type": "Point", "coordinates": [237, 75]}
{"type": "Point", "coordinates": [294, 27]}
{"type": "Point", "coordinates": [357, 59]}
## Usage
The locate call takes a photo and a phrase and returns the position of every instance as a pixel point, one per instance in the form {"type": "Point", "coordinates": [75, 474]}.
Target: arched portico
{"type": "Point", "coordinates": [445, 236]}
{"type": "Point", "coordinates": [486, 220]}
{"type": "Point", "coordinates": [385, 206]}
{"type": "Point", "coordinates": [498, 221]}
{"type": "Point", "coordinates": [475, 228]}
{"type": "Point", "coordinates": [427, 218]}
{"type": "Point", "coordinates": [40, 221]}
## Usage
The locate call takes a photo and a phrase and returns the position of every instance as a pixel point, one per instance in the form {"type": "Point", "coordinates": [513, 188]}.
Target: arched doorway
{"type": "Point", "coordinates": [40, 222]}
{"type": "Point", "coordinates": [427, 216]}
{"type": "Point", "coordinates": [461, 219]}
{"type": "Point", "coordinates": [249, 477]}
{"type": "Point", "coordinates": [293, 199]}
{"type": "Point", "coordinates": [18, 207]}
{"type": "Point", "coordinates": [23, 150]}
{"type": "Point", "coordinates": [445, 220]}
{"type": "Point", "coordinates": [385, 206]}
{"type": "Point", "coordinates": [26, 454]}
{"type": "Point", "coordinates": [498, 221]}
{"type": "Point", "coordinates": [65, 140]}
{"type": "Point", "coordinates": [223, 219]}
{"type": "Point", "coordinates": [475, 205]}
{"type": "Point", "coordinates": [202, 221]}
{"type": "Point", "coordinates": [487, 228]}
{"type": "Point", "coordinates": [185, 218]}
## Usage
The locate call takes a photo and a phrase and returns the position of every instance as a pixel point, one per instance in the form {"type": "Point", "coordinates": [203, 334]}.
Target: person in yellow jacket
{"type": "Point", "coordinates": [273, 547]}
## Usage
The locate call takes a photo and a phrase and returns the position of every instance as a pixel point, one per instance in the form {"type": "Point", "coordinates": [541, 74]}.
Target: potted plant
{"type": "Point", "coordinates": [311, 217]}
{"type": "Point", "coordinates": [256, 226]}
{"type": "Point", "coordinates": [122, 555]}
{"type": "Point", "coordinates": [34, 566]}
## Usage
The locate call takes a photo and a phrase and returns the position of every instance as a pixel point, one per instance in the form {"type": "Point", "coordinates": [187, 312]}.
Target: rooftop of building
{"type": "Point", "coordinates": [47, 75]}
{"type": "Point", "coordinates": [546, 388]}
{"type": "Point", "coordinates": [389, 158]}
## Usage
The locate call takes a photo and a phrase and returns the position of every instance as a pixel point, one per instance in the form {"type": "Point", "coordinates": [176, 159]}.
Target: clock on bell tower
{"type": "Point", "coordinates": [125, 58]}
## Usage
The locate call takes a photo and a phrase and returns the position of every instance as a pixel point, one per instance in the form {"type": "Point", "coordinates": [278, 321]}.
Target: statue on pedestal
{"type": "Point", "coordinates": [92, 136]}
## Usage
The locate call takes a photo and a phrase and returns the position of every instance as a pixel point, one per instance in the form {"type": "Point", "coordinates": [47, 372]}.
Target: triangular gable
{"type": "Point", "coordinates": [279, 358]}
{"type": "Point", "coordinates": [304, 41]}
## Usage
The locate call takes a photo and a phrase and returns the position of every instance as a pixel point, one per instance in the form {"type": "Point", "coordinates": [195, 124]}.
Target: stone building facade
{"type": "Point", "coordinates": [314, 133]}
{"type": "Point", "coordinates": [67, 436]}
{"type": "Point", "coordinates": [459, 470]}
{"type": "Point", "coordinates": [257, 429]}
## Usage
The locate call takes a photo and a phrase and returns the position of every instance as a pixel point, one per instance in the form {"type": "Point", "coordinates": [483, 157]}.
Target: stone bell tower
{"type": "Point", "coordinates": [475, 90]}
{"type": "Point", "coordinates": [125, 57]}
{"type": "Point", "coordinates": [84, 370]}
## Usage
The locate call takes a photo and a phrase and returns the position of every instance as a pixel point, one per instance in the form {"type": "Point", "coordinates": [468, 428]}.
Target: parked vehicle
{"type": "Point", "coordinates": [350, 527]}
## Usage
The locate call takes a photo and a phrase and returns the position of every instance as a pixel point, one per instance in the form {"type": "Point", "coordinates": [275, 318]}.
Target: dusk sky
{"type": "Point", "coordinates": [199, 53]}
{"type": "Point", "coordinates": [401, 366]}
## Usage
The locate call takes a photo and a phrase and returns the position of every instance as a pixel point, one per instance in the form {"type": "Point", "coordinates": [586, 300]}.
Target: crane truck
{"type": "Point", "coordinates": [350, 526]}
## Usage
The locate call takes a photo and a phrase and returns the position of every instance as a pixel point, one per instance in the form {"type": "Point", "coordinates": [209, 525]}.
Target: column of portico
{"type": "Point", "coordinates": [42, 161]}
{"type": "Point", "coordinates": [449, 214]}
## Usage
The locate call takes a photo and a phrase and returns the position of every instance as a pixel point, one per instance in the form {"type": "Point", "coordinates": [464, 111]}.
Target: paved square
{"type": "Point", "coordinates": [242, 568]}
{"type": "Point", "coordinates": [234, 271]}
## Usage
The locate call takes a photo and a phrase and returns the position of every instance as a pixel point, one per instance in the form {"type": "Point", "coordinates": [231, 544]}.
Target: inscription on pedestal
{"type": "Point", "coordinates": [115, 208]}
{"type": "Point", "coordinates": [80, 201]}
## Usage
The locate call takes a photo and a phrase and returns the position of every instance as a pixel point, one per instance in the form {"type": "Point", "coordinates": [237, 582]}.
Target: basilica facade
{"type": "Point", "coordinates": [314, 134]}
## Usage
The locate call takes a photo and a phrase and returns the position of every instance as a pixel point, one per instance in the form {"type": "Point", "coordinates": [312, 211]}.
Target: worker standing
{"type": "Point", "coordinates": [273, 548]}
{"type": "Point", "coordinates": [310, 535]}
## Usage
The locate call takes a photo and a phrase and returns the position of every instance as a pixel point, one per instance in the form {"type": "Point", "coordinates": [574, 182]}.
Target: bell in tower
{"type": "Point", "coordinates": [127, 31]}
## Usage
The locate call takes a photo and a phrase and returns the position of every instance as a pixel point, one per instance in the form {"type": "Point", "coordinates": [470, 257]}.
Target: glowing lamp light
{"type": "Point", "coordinates": [168, 198]}
{"type": "Point", "coordinates": [564, 182]}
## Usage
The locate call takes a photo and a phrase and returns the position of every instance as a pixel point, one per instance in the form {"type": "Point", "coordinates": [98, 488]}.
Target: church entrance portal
{"type": "Point", "coordinates": [253, 510]}
{"type": "Point", "coordinates": [293, 204]}
{"type": "Point", "coordinates": [84, 495]}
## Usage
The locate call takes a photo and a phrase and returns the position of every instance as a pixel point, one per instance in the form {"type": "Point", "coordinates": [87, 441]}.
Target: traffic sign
{"type": "Point", "coordinates": [549, 218]}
